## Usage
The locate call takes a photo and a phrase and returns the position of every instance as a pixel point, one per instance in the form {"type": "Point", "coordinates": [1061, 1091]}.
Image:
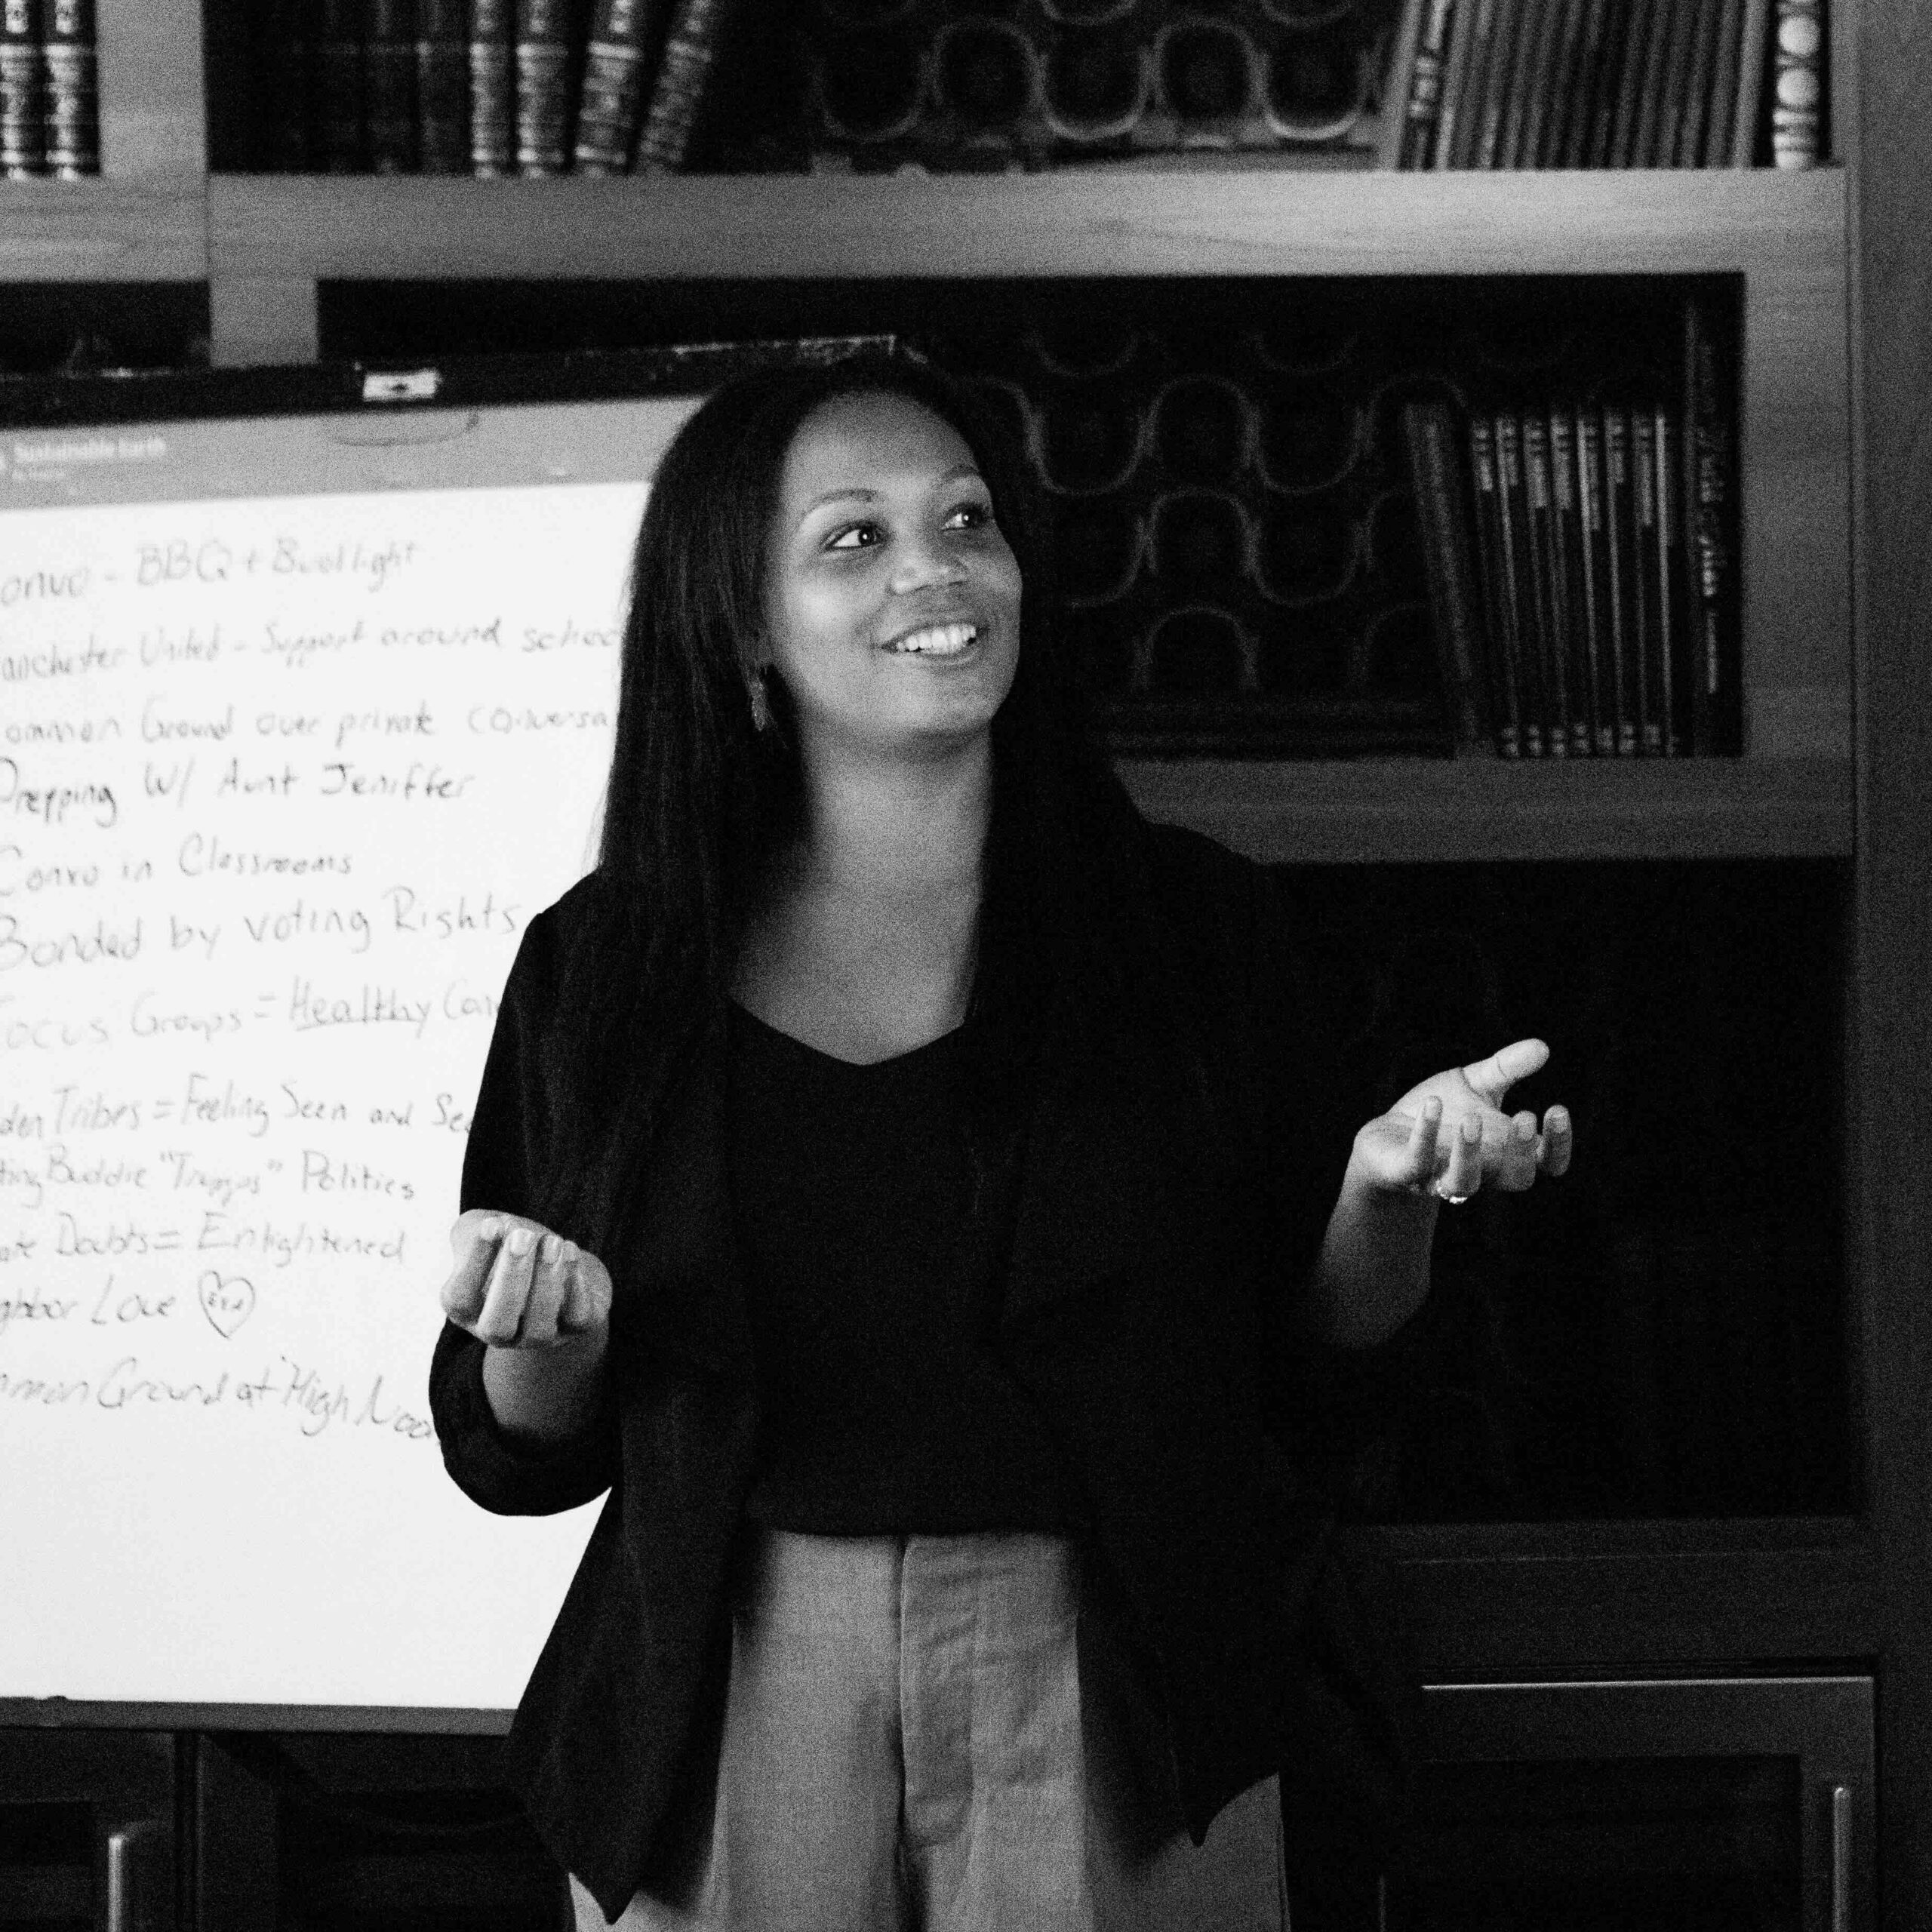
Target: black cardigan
{"type": "Point", "coordinates": [1155, 1255]}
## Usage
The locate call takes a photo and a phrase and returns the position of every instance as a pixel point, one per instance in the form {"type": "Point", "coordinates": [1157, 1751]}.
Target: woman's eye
{"type": "Point", "coordinates": [971, 516]}
{"type": "Point", "coordinates": [857, 536]}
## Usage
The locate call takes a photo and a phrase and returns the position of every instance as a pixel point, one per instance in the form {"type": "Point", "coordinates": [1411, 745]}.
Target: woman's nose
{"type": "Point", "coordinates": [926, 561]}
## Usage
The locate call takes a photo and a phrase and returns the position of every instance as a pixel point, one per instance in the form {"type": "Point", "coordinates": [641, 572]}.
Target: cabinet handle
{"type": "Point", "coordinates": [1841, 1858]}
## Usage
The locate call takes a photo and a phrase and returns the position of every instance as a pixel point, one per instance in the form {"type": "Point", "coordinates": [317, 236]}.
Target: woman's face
{"type": "Point", "coordinates": [892, 601]}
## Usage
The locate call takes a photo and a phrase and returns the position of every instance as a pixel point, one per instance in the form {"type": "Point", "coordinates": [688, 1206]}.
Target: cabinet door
{"type": "Point", "coordinates": [86, 1831]}
{"type": "Point", "coordinates": [1710, 1805]}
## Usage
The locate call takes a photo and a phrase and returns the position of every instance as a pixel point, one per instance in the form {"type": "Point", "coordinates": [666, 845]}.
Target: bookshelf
{"type": "Point", "coordinates": [1837, 402]}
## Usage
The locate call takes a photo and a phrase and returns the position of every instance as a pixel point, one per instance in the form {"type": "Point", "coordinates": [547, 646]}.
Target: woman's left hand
{"type": "Point", "coordinates": [1448, 1135]}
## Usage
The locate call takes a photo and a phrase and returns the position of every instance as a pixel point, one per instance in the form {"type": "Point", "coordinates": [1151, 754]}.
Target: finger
{"type": "Point", "coordinates": [1463, 1175]}
{"type": "Point", "coordinates": [502, 1316]}
{"type": "Point", "coordinates": [1517, 1169]}
{"type": "Point", "coordinates": [1420, 1155]}
{"type": "Point", "coordinates": [1492, 1078]}
{"type": "Point", "coordinates": [1557, 1140]}
{"type": "Point", "coordinates": [577, 1311]}
{"type": "Point", "coordinates": [475, 1247]}
{"type": "Point", "coordinates": [546, 1292]}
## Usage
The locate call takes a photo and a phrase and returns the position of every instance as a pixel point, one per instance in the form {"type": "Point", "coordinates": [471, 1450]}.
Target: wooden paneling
{"type": "Point", "coordinates": [105, 230]}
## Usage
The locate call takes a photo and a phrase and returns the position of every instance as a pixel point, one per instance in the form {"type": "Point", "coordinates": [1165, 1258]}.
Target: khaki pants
{"type": "Point", "coordinates": [905, 1748]}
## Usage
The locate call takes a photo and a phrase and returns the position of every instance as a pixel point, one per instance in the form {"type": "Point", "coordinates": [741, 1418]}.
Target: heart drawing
{"type": "Point", "coordinates": [227, 1300]}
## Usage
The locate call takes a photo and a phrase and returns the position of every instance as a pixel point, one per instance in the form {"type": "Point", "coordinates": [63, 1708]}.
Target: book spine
{"type": "Point", "coordinates": [388, 77]}
{"type": "Point", "coordinates": [1722, 93]}
{"type": "Point", "coordinates": [1498, 609]}
{"type": "Point", "coordinates": [1539, 91]}
{"type": "Point", "coordinates": [69, 73]}
{"type": "Point", "coordinates": [1425, 91]}
{"type": "Point", "coordinates": [1708, 499]}
{"type": "Point", "coordinates": [610, 104]}
{"type": "Point", "coordinates": [1597, 586]}
{"type": "Point", "coordinates": [1650, 583]}
{"type": "Point", "coordinates": [1459, 137]}
{"type": "Point", "coordinates": [1523, 64]}
{"type": "Point", "coordinates": [1697, 104]}
{"type": "Point", "coordinates": [544, 90]}
{"type": "Point", "coordinates": [1546, 585]}
{"type": "Point", "coordinates": [1566, 102]}
{"type": "Point", "coordinates": [1674, 103]}
{"type": "Point", "coordinates": [1567, 575]}
{"type": "Point", "coordinates": [1627, 111]}
{"type": "Point", "coordinates": [492, 88]}
{"type": "Point", "coordinates": [340, 131]}
{"type": "Point", "coordinates": [690, 47]}
{"type": "Point", "coordinates": [1674, 666]}
{"type": "Point", "coordinates": [23, 118]}
{"type": "Point", "coordinates": [1598, 53]}
{"type": "Point", "coordinates": [1625, 606]}
{"type": "Point", "coordinates": [1798, 90]}
{"type": "Point", "coordinates": [1667, 21]}
{"type": "Point", "coordinates": [1512, 498]}
{"type": "Point", "coordinates": [1464, 22]}
{"type": "Point", "coordinates": [1462, 651]}
{"type": "Point", "coordinates": [442, 86]}
{"type": "Point", "coordinates": [1752, 58]}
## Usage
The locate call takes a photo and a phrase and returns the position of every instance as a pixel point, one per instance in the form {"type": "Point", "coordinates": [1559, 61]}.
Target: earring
{"type": "Point", "coordinates": [761, 698]}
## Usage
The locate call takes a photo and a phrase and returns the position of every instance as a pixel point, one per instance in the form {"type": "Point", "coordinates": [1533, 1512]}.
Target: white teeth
{"type": "Point", "coordinates": [937, 640]}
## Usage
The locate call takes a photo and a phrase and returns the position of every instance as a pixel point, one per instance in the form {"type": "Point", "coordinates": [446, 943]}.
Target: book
{"type": "Point", "coordinates": [1623, 610]}
{"type": "Point", "coordinates": [1675, 668]}
{"type": "Point", "coordinates": [442, 86]}
{"type": "Point", "coordinates": [1674, 96]}
{"type": "Point", "coordinates": [1797, 87]}
{"type": "Point", "coordinates": [1648, 650]}
{"type": "Point", "coordinates": [1542, 82]}
{"type": "Point", "coordinates": [1622, 107]}
{"type": "Point", "coordinates": [1753, 56]}
{"type": "Point", "coordinates": [1666, 28]}
{"type": "Point", "coordinates": [1710, 496]}
{"type": "Point", "coordinates": [1567, 565]}
{"type": "Point", "coordinates": [1597, 587]}
{"type": "Point", "coordinates": [492, 88]}
{"type": "Point", "coordinates": [1423, 96]}
{"type": "Point", "coordinates": [1498, 596]}
{"type": "Point", "coordinates": [1715, 151]}
{"type": "Point", "coordinates": [388, 79]}
{"type": "Point", "coordinates": [1595, 48]}
{"type": "Point", "coordinates": [1455, 609]}
{"type": "Point", "coordinates": [684, 71]}
{"type": "Point", "coordinates": [1469, 28]}
{"type": "Point", "coordinates": [23, 118]}
{"type": "Point", "coordinates": [1519, 566]}
{"type": "Point", "coordinates": [1534, 26]}
{"type": "Point", "coordinates": [1700, 80]}
{"type": "Point", "coordinates": [1565, 100]}
{"type": "Point", "coordinates": [616, 69]}
{"type": "Point", "coordinates": [1552, 649]}
{"type": "Point", "coordinates": [1506, 36]}
{"type": "Point", "coordinates": [341, 132]}
{"type": "Point", "coordinates": [71, 91]}
{"type": "Point", "coordinates": [545, 91]}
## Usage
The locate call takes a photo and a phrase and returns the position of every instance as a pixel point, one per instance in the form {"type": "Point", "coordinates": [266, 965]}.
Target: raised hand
{"type": "Point", "coordinates": [517, 1285]}
{"type": "Point", "coordinates": [1449, 1136]}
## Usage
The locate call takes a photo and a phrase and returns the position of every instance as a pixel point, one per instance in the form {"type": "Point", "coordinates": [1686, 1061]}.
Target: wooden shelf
{"type": "Point", "coordinates": [148, 229]}
{"type": "Point", "coordinates": [1406, 811]}
{"type": "Point", "coordinates": [1067, 223]}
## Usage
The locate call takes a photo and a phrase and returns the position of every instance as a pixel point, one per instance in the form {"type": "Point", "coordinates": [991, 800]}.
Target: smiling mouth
{"type": "Point", "coordinates": [935, 641]}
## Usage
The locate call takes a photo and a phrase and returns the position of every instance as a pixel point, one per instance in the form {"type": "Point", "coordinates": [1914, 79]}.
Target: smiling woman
{"type": "Point", "coordinates": [922, 1193]}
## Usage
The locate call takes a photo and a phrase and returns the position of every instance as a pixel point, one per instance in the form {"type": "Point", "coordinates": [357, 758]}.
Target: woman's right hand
{"type": "Point", "coordinates": [517, 1285]}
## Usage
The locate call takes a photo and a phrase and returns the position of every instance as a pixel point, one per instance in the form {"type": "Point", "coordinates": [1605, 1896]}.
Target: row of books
{"type": "Point", "coordinates": [49, 103]}
{"type": "Point", "coordinates": [487, 87]}
{"type": "Point", "coordinates": [1512, 84]}
{"type": "Point", "coordinates": [1582, 566]}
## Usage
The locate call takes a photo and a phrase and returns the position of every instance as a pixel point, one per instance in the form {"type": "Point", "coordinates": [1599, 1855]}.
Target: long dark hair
{"type": "Point", "coordinates": [697, 797]}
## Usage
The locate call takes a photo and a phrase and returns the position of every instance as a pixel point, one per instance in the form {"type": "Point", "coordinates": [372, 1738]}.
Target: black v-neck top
{"type": "Point", "coordinates": [874, 1259]}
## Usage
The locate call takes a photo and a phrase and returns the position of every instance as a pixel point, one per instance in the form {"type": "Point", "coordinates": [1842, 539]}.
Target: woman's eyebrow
{"type": "Point", "coordinates": [858, 493]}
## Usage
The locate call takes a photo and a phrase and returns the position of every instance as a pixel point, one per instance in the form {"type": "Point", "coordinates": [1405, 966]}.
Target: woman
{"type": "Point", "coordinates": [912, 1187]}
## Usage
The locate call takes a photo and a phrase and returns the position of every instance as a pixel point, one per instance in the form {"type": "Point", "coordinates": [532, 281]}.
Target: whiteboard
{"type": "Point", "coordinates": [302, 719]}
